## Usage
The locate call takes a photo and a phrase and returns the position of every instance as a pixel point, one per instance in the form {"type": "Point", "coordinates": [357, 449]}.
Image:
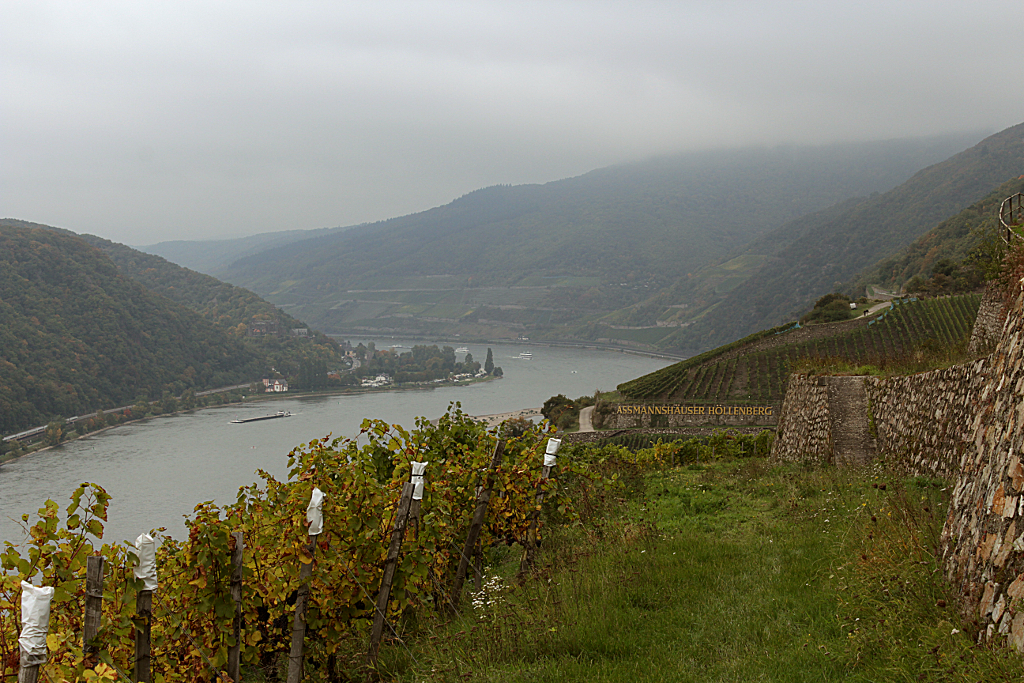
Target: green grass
{"type": "Point", "coordinates": [734, 571]}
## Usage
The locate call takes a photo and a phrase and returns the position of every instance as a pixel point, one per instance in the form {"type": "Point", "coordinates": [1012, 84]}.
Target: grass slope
{"type": "Point", "coordinates": [733, 570]}
{"type": "Point", "coordinates": [757, 367]}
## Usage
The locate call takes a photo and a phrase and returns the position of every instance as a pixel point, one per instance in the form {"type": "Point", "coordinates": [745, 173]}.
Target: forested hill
{"type": "Point", "coordinates": [572, 250]}
{"type": "Point", "coordinates": [972, 235]}
{"type": "Point", "coordinates": [77, 335]}
{"type": "Point", "coordinates": [817, 253]}
{"type": "Point", "coordinates": [227, 306]}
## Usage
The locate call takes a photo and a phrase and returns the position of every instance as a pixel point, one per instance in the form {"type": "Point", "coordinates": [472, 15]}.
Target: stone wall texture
{"type": "Point", "coordinates": [966, 424]}
{"type": "Point", "coordinates": [924, 423]}
{"type": "Point", "coordinates": [824, 418]}
{"type": "Point", "coordinates": [804, 430]}
{"type": "Point", "coordinates": [983, 539]}
{"type": "Point", "coordinates": [988, 326]}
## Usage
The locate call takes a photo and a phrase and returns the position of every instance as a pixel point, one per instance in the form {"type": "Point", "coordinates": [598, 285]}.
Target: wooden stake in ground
{"type": "Point", "coordinates": [532, 537]}
{"type": "Point", "coordinates": [416, 479]}
{"type": "Point", "coordinates": [93, 608]}
{"type": "Point", "coordinates": [235, 651]}
{"type": "Point", "coordinates": [28, 674]}
{"type": "Point", "coordinates": [482, 500]}
{"type": "Point", "coordinates": [390, 564]}
{"type": "Point", "coordinates": [145, 571]}
{"type": "Point", "coordinates": [314, 515]}
{"type": "Point", "coordinates": [143, 651]}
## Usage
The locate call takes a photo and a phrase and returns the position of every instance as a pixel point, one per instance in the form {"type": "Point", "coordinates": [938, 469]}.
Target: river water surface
{"type": "Point", "coordinates": [158, 469]}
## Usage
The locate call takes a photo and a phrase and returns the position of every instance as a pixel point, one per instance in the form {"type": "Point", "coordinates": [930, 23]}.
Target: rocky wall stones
{"type": "Point", "coordinates": [983, 538]}
{"type": "Point", "coordinates": [852, 442]}
{"type": "Point", "coordinates": [924, 423]}
{"type": "Point", "coordinates": [964, 423]}
{"type": "Point", "coordinates": [989, 323]}
{"type": "Point", "coordinates": [804, 431]}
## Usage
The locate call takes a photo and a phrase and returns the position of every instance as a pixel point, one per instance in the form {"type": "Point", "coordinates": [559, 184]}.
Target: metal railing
{"type": "Point", "coordinates": [1011, 216]}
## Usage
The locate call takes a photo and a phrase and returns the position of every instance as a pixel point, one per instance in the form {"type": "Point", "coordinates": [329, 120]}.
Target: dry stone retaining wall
{"type": "Point", "coordinates": [989, 323]}
{"type": "Point", "coordinates": [804, 431]}
{"type": "Point", "coordinates": [817, 421]}
{"type": "Point", "coordinates": [924, 423]}
{"type": "Point", "coordinates": [965, 423]}
{"type": "Point", "coordinates": [983, 539]}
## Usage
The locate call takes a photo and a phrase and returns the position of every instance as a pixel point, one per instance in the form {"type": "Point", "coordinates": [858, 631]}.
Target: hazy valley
{"type": "Point", "coordinates": [649, 255]}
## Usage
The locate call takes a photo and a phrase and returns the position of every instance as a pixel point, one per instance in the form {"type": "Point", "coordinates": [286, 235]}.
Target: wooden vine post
{"type": "Point", "coordinates": [145, 549]}
{"type": "Point", "coordinates": [532, 537]}
{"type": "Point", "coordinates": [235, 651]}
{"type": "Point", "coordinates": [390, 565]}
{"type": "Point", "coordinates": [314, 515]}
{"type": "Point", "coordinates": [28, 673]}
{"type": "Point", "coordinates": [93, 608]}
{"type": "Point", "coordinates": [483, 499]}
{"type": "Point", "coordinates": [143, 651]}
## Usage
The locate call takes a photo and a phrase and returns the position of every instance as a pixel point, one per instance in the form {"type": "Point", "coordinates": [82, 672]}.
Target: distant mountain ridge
{"type": "Point", "coordinates": [820, 252]}
{"type": "Point", "coordinates": [954, 239]}
{"type": "Point", "coordinates": [554, 260]}
{"type": "Point", "coordinates": [210, 256]}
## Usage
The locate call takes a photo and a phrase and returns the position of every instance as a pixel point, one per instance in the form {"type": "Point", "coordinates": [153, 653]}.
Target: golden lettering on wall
{"type": "Point", "coordinates": [680, 409]}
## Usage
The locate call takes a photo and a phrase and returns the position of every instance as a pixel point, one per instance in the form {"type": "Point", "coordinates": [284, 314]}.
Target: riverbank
{"type": "Point", "coordinates": [550, 343]}
{"type": "Point", "coordinates": [258, 397]}
{"type": "Point", "coordinates": [497, 418]}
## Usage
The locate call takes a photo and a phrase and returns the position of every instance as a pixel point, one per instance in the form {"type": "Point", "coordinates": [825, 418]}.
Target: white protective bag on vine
{"type": "Point", "coordinates": [417, 478]}
{"type": "Point", "coordinates": [145, 550]}
{"type": "Point", "coordinates": [35, 622]}
{"type": "Point", "coordinates": [315, 512]}
{"type": "Point", "coordinates": [551, 454]}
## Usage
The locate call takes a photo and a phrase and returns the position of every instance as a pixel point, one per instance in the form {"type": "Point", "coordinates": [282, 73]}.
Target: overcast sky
{"type": "Point", "coordinates": [145, 121]}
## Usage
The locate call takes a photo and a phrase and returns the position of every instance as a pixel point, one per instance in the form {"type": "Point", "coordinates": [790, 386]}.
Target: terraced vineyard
{"type": "Point", "coordinates": [757, 368]}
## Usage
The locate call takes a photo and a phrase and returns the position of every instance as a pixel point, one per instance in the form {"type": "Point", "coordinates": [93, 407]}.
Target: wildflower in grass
{"type": "Point", "coordinates": [490, 594]}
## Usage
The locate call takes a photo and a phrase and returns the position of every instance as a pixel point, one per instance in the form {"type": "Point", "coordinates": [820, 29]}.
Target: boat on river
{"type": "Point", "coordinates": [526, 355]}
{"type": "Point", "coordinates": [280, 413]}
{"type": "Point", "coordinates": [462, 349]}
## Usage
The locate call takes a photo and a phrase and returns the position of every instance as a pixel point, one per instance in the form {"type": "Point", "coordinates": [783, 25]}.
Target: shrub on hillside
{"type": "Point", "coordinates": [947, 277]}
{"type": "Point", "coordinates": [563, 411]}
{"type": "Point", "coordinates": [830, 308]}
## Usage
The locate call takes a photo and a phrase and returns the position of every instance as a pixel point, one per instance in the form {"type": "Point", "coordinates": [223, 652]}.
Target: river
{"type": "Point", "coordinates": [158, 469]}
